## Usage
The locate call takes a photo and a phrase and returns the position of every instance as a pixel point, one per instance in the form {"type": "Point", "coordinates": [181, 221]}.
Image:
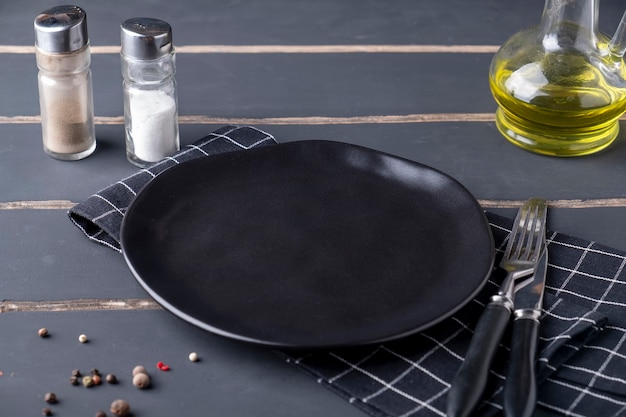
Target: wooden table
{"type": "Point", "coordinates": [404, 77]}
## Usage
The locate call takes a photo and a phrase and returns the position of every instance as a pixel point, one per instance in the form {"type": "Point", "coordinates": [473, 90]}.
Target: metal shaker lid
{"type": "Point", "coordinates": [61, 29]}
{"type": "Point", "coordinates": [146, 38]}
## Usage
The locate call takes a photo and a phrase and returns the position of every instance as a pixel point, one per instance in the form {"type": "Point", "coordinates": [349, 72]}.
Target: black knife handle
{"type": "Point", "coordinates": [470, 381]}
{"type": "Point", "coordinates": [520, 389]}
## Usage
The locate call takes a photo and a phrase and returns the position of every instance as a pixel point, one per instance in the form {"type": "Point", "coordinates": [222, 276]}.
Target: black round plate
{"type": "Point", "coordinates": [311, 244]}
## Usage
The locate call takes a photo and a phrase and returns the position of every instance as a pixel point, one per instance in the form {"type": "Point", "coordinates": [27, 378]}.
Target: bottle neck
{"type": "Point", "coordinates": [569, 24]}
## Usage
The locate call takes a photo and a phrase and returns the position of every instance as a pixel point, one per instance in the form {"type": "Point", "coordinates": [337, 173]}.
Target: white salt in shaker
{"type": "Point", "coordinates": [150, 101]}
{"type": "Point", "coordinates": [65, 88]}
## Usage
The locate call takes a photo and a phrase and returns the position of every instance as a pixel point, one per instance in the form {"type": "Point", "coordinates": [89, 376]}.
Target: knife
{"type": "Point", "coordinates": [520, 390]}
{"type": "Point", "coordinates": [520, 261]}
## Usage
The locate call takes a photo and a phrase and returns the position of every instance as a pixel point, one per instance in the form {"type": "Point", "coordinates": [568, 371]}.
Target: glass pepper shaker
{"type": "Point", "coordinates": [65, 88]}
{"type": "Point", "coordinates": [150, 101]}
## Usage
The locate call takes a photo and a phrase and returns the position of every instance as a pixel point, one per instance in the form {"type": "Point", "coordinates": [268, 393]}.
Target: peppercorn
{"type": "Point", "coordinates": [120, 408]}
{"type": "Point", "coordinates": [82, 338]}
{"type": "Point", "coordinates": [141, 380]}
{"type": "Point", "coordinates": [50, 398]}
{"type": "Point", "coordinates": [111, 379]}
{"type": "Point", "coordinates": [101, 414]}
{"type": "Point", "coordinates": [43, 332]}
{"type": "Point", "coordinates": [139, 370]}
{"type": "Point", "coordinates": [95, 371]}
{"type": "Point", "coordinates": [76, 373]}
{"type": "Point", "coordinates": [74, 380]}
{"type": "Point", "coordinates": [88, 381]}
{"type": "Point", "coordinates": [46, 411]}
{"type": "Point", "coordinates": [97, 379]}
{"type": "Point", "coordinates": [193, 357]}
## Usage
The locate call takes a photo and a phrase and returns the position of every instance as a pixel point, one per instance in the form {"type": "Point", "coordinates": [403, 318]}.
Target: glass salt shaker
{"type": "Point", "coordinates": [65, 88]}
{"type": "Point", "coordinates": [150, 101]}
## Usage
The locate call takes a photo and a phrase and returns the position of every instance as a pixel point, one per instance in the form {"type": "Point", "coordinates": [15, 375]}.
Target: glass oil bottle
{"type": "Point", "coordinates": [561, 85]}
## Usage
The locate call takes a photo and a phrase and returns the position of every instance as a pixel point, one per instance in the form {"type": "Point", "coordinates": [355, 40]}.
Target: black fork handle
{"type": "Point", "coordinates": [470, 381]}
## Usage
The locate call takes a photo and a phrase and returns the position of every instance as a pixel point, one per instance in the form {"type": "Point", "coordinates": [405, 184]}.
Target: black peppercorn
{"type": "Point", "coordinates": [74, 380]}
{"type": "Point", "coordinates": [50, 398]}
{"type": "Point", "coordinates": [76, 373]}
{"type": "Point", "coordinates": [101, 414]}
{"type": "Point", "coordinates": [111, 379]}
{"type": "Point", "coordinates": [46, 411]}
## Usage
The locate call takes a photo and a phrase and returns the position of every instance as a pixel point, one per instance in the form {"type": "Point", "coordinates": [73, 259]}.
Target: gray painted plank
{"type": "Point", "coordinates": [231, 379]}
{"type": "Point", "coordinates": [275, 85]}
{"type": "Point", "coordinates": [491, 168]}
{"type": "Point", "coordinates": [303, 22]}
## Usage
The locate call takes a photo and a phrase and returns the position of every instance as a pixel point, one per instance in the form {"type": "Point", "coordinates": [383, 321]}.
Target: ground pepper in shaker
{"type": "Point", "coordinates": [65, 88]}
{"type": "Point", "coordinates": [150, 100]}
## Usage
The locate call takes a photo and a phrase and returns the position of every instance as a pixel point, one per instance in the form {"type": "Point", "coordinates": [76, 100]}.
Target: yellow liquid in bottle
{"type": "Point", "coordinates": [558, 105]}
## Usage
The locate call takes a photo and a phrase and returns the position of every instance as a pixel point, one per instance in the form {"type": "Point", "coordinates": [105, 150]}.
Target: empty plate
{"type": "Point", "coordinates": [311, 244]}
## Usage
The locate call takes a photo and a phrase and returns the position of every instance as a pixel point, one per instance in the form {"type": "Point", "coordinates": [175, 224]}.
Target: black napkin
{"type": "Point", "coordinates": [100, 216]}
{"type": "Point", "coordinates": [410, 377]}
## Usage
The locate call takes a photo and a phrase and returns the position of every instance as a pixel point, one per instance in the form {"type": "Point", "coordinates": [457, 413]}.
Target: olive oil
{"type": "Point", "coordinates": [563, 113]}
{"type": "Point", "coordinates": [561, 85]}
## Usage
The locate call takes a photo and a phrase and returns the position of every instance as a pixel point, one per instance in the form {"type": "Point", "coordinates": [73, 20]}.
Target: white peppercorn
{"type": "Point", "coordinates": [139, 370]}
{"type": "Point", "coordinates": [120, 408]}
{"type": "Point", "coordinates": [141, 380]}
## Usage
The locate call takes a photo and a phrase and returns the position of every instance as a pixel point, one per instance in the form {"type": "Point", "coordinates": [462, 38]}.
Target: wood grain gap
{"type": "Point", "coordinates": [566, 204]}
{"type": "Point", "coordinates": [289, 49]}
{"type": "Point", "coordinates": [37, 205]}
{"type": "Point", "coordinates": [85, 304]}
{"type": "Point", "coordinates": [485, 203]}
{"type": "Point", "coordinates": [310, 120]}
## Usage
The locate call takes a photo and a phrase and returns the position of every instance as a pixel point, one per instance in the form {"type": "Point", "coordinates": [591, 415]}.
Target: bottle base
{"type": "Point", "coordinates": [71, 156]}
{"type": "Point", "coordinates": [556, 141]}
{"type": "Point", "coordinates": [138, 162]}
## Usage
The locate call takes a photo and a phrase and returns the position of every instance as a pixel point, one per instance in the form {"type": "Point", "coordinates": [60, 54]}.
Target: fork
{"type": "Point", "coordinates": [520, 260]}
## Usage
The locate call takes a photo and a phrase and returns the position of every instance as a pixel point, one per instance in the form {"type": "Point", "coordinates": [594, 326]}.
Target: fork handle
{"type": "Point", "coordinates": [470, 381]}
{"type": "Point", "coordinates": [520, 389]}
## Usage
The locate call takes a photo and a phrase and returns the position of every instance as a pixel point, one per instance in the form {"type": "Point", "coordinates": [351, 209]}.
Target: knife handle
{"type": "Point", "coordinates": [470, 381]}
{"type": "Point", "coordinates": [520, 389]}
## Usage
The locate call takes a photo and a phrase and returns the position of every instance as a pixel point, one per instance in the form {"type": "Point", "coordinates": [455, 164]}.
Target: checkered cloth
{"type": "Point", "coordinates": [582, 350]}
{"type": "Point", "coordinates": [100, 216]}
{"type": "Point", "coordinates": [582, 360]}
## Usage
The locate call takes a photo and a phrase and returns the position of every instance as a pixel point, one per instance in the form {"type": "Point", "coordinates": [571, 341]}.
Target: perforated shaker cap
{"type": "Point", "coordinates": [146, 38]}
{"type": "Point", "coordinates": [61, 29]}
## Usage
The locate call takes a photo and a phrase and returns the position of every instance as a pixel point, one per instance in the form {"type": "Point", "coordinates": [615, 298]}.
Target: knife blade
{"type": "Point", "coordinates": [520, 390]}
{"type": "Point", "coordinates": [471, 378]}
